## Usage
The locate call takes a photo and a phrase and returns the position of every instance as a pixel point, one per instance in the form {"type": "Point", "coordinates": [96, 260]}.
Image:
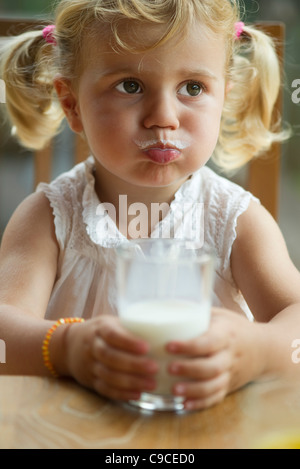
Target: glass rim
{"type": "Point", "coordinates": [204, 254]}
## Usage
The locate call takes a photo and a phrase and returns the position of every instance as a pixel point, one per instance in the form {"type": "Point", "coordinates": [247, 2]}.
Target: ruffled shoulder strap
{"type": "Point", "coordinates": [225, 202]}
{"type": "Point", "coordinates": [65, 197]}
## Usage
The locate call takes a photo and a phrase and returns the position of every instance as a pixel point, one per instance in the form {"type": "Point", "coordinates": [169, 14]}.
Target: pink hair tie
{"type": "Point", "coordinates": [239, 29]}
{"type": "Point", "coordinates": [48, 34]}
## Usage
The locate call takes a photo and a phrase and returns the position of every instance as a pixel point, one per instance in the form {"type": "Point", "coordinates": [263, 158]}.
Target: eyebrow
{"type": "Point", "coordinates": [119, 71]}
{"type": "Point", "coordinates": [199, 71]}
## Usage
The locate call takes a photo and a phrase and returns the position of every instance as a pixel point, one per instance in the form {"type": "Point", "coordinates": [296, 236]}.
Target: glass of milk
{"type": "Point", "coordinates": [164, 293]}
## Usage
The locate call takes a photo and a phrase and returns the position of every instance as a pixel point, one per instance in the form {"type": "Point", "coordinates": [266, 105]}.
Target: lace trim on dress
{"type": "Point", "coordinates": [60, 220]}
{"type": "Point", "coordinates": [103, 230]}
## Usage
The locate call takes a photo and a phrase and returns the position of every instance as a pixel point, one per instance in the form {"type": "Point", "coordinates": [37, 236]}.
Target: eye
{"type": "Point", "coordinates": [129, 87]}
{"type": "Point", "coordinates": [192, 88]}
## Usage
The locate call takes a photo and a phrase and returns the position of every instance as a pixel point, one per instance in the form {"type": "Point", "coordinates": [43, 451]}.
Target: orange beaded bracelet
{"type": "Point", "coordinates": [46, 342]}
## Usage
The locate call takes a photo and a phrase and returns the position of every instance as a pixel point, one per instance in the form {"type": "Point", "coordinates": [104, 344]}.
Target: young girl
{"type": "Point", "coordinates": [156, 88]}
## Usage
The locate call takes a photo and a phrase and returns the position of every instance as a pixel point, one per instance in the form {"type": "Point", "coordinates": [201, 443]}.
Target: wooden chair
{"type": "Point", "coordinates": [263, 173]}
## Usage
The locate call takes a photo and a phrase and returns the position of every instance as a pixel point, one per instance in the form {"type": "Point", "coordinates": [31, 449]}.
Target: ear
{"type": "Point", "coordinates": [69, 103]}
{"type": "Point", "coordinates": [229, 87]}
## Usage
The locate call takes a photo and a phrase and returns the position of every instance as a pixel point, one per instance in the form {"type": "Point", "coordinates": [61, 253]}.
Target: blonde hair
{"type": "Point", "coordinates": [28, 66]}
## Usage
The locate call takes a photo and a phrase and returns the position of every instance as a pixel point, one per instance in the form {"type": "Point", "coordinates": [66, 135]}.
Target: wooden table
{"type": "Point", "coordinates": [45, 413]}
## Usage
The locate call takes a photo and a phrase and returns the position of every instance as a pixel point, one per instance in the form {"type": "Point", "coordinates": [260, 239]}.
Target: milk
{"type": "Point", "coordinates": [161, 321]}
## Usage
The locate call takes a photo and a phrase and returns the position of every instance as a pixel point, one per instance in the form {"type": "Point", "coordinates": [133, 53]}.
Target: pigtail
{"type": "Point", "coordinates": [26, 66]}
{"type": "Point", "coordinates": [247, 128]}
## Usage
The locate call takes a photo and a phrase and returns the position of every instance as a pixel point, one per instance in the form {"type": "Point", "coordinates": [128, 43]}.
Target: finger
{"type": "Point", "coordinates": [122, 361]}
{"type": "Point", "coordinates": [114, 334]}
{"type": "Point", "coordinates": [115, 394]}
{"type": "Point", "coordinates": [221, 333]}
{"type": "Point", "coordinates": [205, 403]}
{"type": "Point", "coordinates": [206, 345]}
{"type": "Point", "coordinates": [202, 394]}
{"type": "Point", "coordinates": [201, 368]}
{"type": "Point", "coordinates": [113, 382]}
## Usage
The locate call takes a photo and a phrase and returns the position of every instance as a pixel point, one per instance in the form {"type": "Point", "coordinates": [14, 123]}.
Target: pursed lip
{"type": "Point", "coordinates": [162, 147]}
{"type": "Point", "coordinates": [162, 151]}
{"type": "Point", "coordinates": [162, 154]}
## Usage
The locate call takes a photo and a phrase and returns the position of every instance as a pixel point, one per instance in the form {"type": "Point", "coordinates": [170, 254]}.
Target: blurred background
{"type": "Point", "coordinates": [16, 165]}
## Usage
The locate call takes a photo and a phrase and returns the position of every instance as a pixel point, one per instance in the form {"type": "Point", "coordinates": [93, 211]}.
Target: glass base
{"type": "Point", "coordinates": [159, 403]}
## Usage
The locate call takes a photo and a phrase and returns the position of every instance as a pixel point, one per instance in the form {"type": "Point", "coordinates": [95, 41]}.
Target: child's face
{"type": "Point", "coordinates": [130, 105]}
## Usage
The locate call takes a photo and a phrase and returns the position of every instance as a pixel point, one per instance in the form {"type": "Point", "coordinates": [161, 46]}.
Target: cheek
{"type": "Point", "coordinates": [100, 128]}
{"type": "Point", "coordinates": [105, 123]}
{"type": "Point", "coordinates": [205, 128]}
{"type": "Point", "coordinates": [109, 136]}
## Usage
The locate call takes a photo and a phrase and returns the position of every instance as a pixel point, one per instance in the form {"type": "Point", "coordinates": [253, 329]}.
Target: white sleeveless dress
{"type": "Point", "coordinates": [85, 283]}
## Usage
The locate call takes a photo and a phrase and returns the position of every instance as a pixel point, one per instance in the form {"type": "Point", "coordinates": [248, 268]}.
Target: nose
{"type": "Point", "coordinates": [161, 112]}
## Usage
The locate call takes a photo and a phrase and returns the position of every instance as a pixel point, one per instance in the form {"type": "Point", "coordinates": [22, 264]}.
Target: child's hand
{"type": "Point", "coordinates": [220, 361]}
{"type": "Point", "coordinates": [103, 356]}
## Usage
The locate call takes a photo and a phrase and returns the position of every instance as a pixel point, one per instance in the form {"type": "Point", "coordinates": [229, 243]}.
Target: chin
{"type": "Point", "coordinates": [161, 176]}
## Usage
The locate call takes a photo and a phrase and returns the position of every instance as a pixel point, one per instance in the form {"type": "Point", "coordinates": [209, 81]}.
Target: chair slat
{"type": "Point", "coordinates": [42, 165]}
{"type": "Point", "coordinates": [264, 172]}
